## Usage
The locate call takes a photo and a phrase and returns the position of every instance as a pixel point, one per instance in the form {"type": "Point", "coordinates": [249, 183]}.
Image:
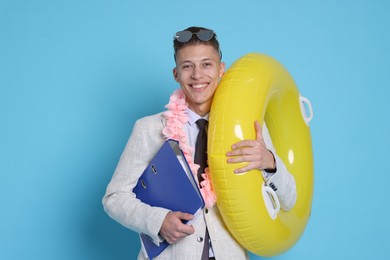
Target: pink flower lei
{"type": "Point", "coordinates": [176, 117]}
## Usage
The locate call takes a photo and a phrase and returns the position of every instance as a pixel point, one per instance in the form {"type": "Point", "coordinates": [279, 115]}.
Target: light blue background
{"type": "Point", "coordinates": [75, 75]}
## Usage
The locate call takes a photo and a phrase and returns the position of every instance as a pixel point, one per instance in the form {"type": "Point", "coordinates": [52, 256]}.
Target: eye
{"type": "Point", "coordinates": [187, 66]}
{"type": "Point", "coordinates": [207, 65]}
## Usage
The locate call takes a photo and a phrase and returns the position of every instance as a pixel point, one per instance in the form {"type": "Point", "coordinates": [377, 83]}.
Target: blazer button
{"type": "Point", "coordinates": [206, 211]}
{"type": "Point", "coordinates": [200, 239]}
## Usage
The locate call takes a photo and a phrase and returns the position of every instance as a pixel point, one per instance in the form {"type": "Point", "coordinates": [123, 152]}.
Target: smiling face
{"type": "Point", "coordinates": [198, 70]}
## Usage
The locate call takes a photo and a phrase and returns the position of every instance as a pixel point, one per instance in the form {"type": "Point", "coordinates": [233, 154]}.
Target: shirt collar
{"type": "Point", "coordinates": [193, 117]}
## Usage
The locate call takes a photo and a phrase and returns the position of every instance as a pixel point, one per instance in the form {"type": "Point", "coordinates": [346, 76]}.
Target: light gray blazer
{"type": "Point", "coordinates": [121, 204]}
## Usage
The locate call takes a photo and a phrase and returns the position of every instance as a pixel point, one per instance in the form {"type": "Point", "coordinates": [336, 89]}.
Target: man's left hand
{"type": "Point", "coordinates": [252, 151]}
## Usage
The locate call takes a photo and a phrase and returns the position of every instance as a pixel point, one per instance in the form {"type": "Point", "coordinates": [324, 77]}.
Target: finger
{"type": "Point", "coordinates": [186, 230]}
{"type": "Point", "coordinates": [259, 132]}
{"type": "Point", "coordinates": [174, 237]}
{"type": "Point", "coordinates": [243, 158]}
{"type": "Point", "coordinates": [243, 143]}
{"type": "Point", "coordinates": [167, 239]}
{"type": "Point", "coordinates": [184, 216]}
{"type": "Point", "coordinates": [241, 152]}
{"type": "Point", "coordinates": [181, 231]}
{"type": "Point", "coordinates": [246, 168]}
{"type": "Point", "coordinates": [170, 239]}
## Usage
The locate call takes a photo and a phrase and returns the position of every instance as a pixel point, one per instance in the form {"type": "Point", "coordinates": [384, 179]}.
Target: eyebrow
{"type": "Point", "coordinates": [202, 60]}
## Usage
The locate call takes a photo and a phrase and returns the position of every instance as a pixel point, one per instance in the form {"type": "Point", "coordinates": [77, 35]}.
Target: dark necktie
{"type": "Point", "coordinates": [201, 147]}
{"type": "Point", "coordinates": [201, 159]}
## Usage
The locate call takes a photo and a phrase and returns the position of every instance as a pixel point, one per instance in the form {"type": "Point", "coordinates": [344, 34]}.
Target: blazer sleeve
{"type": "Point", "coordinates": [282, 181]}
{"type": "Point", "coordinates": [119, 201]}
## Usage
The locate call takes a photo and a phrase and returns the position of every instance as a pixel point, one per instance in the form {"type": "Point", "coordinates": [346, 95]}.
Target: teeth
{"type": "Point", "coordinates": [199, 86]}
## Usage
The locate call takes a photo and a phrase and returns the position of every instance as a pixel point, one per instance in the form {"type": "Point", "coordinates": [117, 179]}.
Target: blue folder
{"type": "Point", "coordinates": [167, 182]}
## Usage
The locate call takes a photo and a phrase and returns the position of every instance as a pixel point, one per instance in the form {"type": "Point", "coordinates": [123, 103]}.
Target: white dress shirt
{"type": "Point", "coordinates": [192, 134]}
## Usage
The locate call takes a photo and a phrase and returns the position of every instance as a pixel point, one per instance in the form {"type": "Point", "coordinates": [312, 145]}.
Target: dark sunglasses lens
{"type": "Point", "coordinates": [205, 35]}
{"type": "Point", "coordinates": [183, 36]}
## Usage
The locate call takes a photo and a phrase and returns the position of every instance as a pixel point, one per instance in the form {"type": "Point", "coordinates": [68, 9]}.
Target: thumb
{"type": "Point", "coordinates": [258, 129]}
{"type": "Point", "coordinates": [184, 216]}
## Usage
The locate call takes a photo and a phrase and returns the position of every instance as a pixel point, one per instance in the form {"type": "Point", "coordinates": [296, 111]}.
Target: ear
{"type": "Point", "coordinates": [175, 74]}
{"type": "Point", "coordinates": [221, 69]}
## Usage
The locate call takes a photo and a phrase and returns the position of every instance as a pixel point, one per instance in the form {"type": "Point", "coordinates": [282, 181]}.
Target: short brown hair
{"type": "Point", "coordinates": [196, 41]}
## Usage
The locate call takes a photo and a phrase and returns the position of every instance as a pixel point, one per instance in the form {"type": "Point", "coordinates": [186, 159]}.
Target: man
{"type": "Point", "coordinates": [198, 71]}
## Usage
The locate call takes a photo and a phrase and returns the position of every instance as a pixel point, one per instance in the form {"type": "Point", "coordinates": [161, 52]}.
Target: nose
{"type": "Point", "coordinates": [196, 73]}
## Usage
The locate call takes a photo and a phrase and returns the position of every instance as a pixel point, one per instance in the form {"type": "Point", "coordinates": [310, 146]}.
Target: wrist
{"type": "Point", "coordinates": [272, 168]}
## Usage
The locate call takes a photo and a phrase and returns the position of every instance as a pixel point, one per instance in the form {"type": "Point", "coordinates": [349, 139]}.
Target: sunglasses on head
{"type": "Point", "coordinates": [203, 35]}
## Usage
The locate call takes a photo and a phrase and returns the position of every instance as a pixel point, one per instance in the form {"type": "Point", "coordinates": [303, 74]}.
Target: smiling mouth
{"type": "Point", "coordinates": [198, 86]}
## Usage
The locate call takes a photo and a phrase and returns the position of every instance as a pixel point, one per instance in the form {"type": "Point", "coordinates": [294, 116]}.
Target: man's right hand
{"type": "Point", "coordinates": [173, 229]}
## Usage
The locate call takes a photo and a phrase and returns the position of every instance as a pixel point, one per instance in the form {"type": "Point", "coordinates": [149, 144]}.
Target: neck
{"type": "Point", "coordinates": [201, 110]}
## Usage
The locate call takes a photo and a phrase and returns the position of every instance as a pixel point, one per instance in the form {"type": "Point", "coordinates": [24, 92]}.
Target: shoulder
{"type": "Point", "coordinates": [151, 120]}
{"type": "Point", "coordinates": [149, 127]}
{"type": "Point", "coordinates": [146, 136]}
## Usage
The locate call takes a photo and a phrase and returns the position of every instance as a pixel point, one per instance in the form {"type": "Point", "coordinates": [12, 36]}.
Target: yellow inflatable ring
{"type": "Point", "coordinates": [257, 87]}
